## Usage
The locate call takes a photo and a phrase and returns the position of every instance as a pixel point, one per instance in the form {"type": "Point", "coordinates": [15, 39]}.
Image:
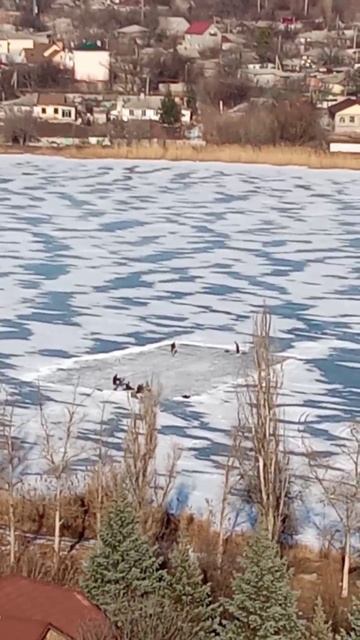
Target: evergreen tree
{"type": "Point", "coordinates": [170, 111]}
{"type": "Point", "coordinates": [124, 566]}
{"type": "Point", "coordinates": [263, 605]}
{"type": "Point", "coordinates": [320, 628]}
{"type": "Point", "coordinates": [189, 594]}
{"type": "Point", "coordinates": [354, 618]}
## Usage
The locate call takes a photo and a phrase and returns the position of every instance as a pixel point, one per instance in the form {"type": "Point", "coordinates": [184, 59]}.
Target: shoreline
{"type": "Point", "coordinates": [232, 154]}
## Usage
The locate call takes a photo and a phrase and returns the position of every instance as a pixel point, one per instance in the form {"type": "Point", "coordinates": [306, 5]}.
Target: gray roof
{"type": "Point", "coordinates": [148, 102]}
{"type": "Point", "coordinates": [28, 100]}
{"type": "Point", "coordinates": [132, 28]}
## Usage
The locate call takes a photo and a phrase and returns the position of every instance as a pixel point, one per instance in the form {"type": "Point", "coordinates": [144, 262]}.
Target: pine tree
{"type": "Point", "coordinates": [124, 566]}
{"type": "Point", "coordinates": [189, 594]}
{"type": "Point", "coordinates": [263, 605]}
{"type": "Point", "coordinates": [320, 628]}
{"type": "Point", "coordinates": [170, 111]}
{"type": "Point", "coordinates": [354, 618]}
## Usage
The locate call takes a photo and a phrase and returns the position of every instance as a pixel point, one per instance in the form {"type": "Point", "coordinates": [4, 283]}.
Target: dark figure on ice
{"type": "Point", "coordinates": [128, 387]}
{"type": "Point", "coordinates": [237, 348]}
{"type": "Point", "coordinates": [140, 389]}
{"type": "Point", "coordinates": [173, 349]}
{"type": "Point", "coordinates": [117, 382]}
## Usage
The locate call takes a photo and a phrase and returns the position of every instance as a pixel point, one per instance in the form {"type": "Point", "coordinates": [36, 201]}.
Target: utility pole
{"type": "Point", "coordinates": [306, 7]}
{"type": "Point", "coordinates": [142, 11]}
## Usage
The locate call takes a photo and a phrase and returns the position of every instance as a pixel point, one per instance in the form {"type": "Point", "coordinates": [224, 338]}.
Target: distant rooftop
{"type": "Point", "coordinates": [132, 28]}
{"type": "Point", "coordinates": [199, 27]}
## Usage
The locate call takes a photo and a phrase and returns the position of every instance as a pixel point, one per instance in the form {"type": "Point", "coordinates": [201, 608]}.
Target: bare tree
{"type": "Point", "coordinates": [259, 420]}
{"type": "Point", "coordinates": [57, 451]}
{"type": "Point", "coordinates": [341, 491]}
{"type": "Point", "coordinates": [234, 471]}
{"type": "Point", "coordinates": [19, 128]}
{"type": "Point", "coordinates": [147, 487]}
{"type": "Point", "coordinates": [12, 461]}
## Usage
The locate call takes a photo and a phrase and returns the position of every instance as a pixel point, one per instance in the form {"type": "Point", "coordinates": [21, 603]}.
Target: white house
{"type": "Point", "coordinates": [19, 107]}
{"type": "Point", "coordinates": [202, 35]}
{"type": "Point", "coordinates": [346, 116]}
{"type": "Point", "coordinates": [139, 108]}
{"type": "Point", "coordinates": [145, 108]}
{"type": "Point", "coordinates": [14, 43]}
{"type": "Point", "coordinates": [54, 107]}
{"type": "Point", "coordinates": [91, 62]}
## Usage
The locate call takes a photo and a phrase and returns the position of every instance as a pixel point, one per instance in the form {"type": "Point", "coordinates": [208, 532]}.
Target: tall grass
{"type": "Point", "coordinates": [177, 151]}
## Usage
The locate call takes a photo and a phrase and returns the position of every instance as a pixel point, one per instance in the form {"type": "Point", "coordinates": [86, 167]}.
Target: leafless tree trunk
{"type": "Point", "coordinates": [12, 460]}
{"type": "Point", "coordinates": [57, 445]}
{"type": "Point", "coordinates": [341, 490]}
{"type": "Point", "coordinates": [346, 565]}
{"type": "Point", "coordinates": [99, 475]}
{"type": "Point", "coordinates": [259, 419]}
{"type": "Point", "coordinates": [145, 485]}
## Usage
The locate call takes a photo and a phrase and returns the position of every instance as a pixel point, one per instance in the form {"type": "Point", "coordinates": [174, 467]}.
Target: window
{"type": "Point", "coordinates": [131, 112]}
{"type": "Point", "coordinates": [56, 111]}
{"type": "Point", "coordinates": [43, 110]}
{"type": "Point", "coordinates": [66, 113]}
{"type": "Point", "coordinates": [352, 119]}
{"type": "Point", "coordinates": [143, 113]}
{"type": "Point", "coordinates": [342, 120]}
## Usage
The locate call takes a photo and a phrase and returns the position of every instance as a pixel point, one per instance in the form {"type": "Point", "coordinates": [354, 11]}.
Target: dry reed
{"type": "Point", "coordinates": [282, 155]}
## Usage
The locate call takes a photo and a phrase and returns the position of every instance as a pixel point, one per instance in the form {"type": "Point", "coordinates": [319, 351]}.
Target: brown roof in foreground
{"type": "Point", "coordinates": [19, 629]}
{"type": "Point", "coordinates": [343, 104]}
{"type": "Point", "coordinates": [63, 608]}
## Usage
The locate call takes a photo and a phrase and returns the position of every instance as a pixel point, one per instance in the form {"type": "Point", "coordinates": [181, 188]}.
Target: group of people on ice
{"type": "Point", "coordinates": [121, 383]}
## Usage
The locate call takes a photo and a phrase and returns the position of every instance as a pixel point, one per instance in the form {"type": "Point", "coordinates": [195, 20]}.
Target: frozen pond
{"type": "Point", "coordinates": [102, 256]}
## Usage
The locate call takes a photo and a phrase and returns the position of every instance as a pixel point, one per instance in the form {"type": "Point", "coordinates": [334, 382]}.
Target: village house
{"type": "Point", "coordinates": [173, 25]}
{"type": "Point", "coordinates": [346, 117]}
{"type": "Point", "coordinates": [34, 610]}
{"type": "Point", "coordinates": [54, 107]}
{"type": "Point", "coordinates": [202, 35]}
{"type": "Point", "coordinates": [12, 43]}
{"type": "Point", "coordinates": [134, 32]}
{"type": "Point", "coordinates": [48, 52]}
{"type": "Point", "coordinates": [145, 108]}
{"type": "Point", "coordinates": [40, 52]}
{"type": "Point", "coordinates": [19, 107]}
{"type": "Point", "coordinates": [91, 62]}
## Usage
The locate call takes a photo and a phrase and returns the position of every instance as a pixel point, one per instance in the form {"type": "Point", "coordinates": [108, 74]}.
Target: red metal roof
{"type": "Point", "coordinates": [60, 607]}
{"type": "Point", "coordinates": [18, 629]}
{"type": "Point", "coordinates": [199, 27]}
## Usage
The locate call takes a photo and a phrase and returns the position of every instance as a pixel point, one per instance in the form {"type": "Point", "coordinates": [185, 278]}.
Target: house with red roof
{"type": "Point", "coordinates": [202, 35]}
{"type": "Point", "coordinates": [35, 610]}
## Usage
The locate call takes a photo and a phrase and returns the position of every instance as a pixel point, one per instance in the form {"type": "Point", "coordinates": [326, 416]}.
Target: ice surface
{"type": "Point", "coordinates": [193, 370]}
{"type": "Point", "coordinates": [102, 257]}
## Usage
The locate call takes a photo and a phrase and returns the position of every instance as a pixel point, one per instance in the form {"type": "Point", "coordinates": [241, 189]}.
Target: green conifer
{"type": "Point", "coordinates": [263, 605]}
{"type": "Point", "coordinates": [189, 594]}
{"type": "Point", "coordinates": [123, 567]}
{"type": "Point", "coordinates": [354, 618]}
{"type": "Point", "coordinates": [320, 628]}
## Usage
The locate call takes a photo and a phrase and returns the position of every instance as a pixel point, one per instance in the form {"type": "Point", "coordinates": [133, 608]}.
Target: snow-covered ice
{"type": "Point", "coordinates": [104, 263]}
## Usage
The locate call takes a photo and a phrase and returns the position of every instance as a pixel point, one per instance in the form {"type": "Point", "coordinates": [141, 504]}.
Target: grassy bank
{"type": "Point", "coordinates": [279, 155]}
